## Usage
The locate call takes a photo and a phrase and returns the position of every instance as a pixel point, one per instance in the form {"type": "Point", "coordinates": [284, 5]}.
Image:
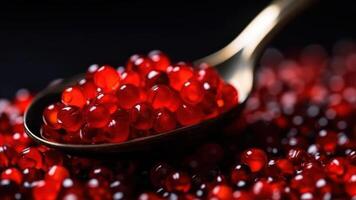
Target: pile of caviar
{"type": "Point", "coordinates": [295, 140]}
{"type": "Point", "coordinates": [146, 97]}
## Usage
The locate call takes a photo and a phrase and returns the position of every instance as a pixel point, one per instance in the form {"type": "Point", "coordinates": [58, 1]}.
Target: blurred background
{"type": "Point", "coordinates": [46, 40]}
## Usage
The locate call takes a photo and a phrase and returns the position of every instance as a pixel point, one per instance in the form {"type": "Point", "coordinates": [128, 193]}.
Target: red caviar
{"type": "Point", "coordinates": [286, 145]}
{"type": "Point", "coordinates": [73, 96]}
{"type": "Point", "coordinates": [158, 96]}
{"type": "Point", "coordinates": [107, 78]}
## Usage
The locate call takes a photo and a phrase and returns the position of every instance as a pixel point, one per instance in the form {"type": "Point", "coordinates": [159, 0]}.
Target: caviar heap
{"type": "Point", "coordinates": [295, 140]}
{"type": "Point", "coordinates": [147, 97]}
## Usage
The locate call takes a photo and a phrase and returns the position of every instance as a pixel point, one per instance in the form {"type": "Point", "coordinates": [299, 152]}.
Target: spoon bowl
{"type": "Point", "coordinates": [33, 122]}
{"type": "Point", "coordinates": [235, 63]}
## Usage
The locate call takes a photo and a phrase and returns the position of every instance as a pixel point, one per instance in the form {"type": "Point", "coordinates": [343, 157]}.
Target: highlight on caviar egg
{"type": "Point", "coordinates": [151, 95]}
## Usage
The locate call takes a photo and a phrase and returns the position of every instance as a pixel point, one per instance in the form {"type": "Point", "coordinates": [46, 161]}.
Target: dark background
{"type": "Point", "coordinates": [42, 41]}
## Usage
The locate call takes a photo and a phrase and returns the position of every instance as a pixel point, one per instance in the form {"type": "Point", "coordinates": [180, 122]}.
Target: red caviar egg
{"type": "Point", "coordinates": [74, 96]}
{"type": "Point", "coordinates": [189, 115]}
{"type": "Point", "coordinates": [228, 97]}
{"type": "Point", "coordinates": [50, 115]}
{"type": "Point", "coordinates": [107, 78]}
{"type": "Point", "coordinates": [70, 118]}
{"type": "Point", "coordinates": [208, 74]}
{"type": "Point", "coordinates": [131, 77]}
{"type": "Point", "coordinates": [141, 64]}
{"type": "Point", "coordinates": [142, 116]}
{"type": "Point", "coordinates": [160, 60]}
{"type": "Point", "coordinates": [31, 157]}
{"type": "Point", "coordinates": [119, 126]}
{"type": "Point", "coordinates": [192, 92]}
{"type": "Point", "coordinates": [109, 101]}
{"type": "Point", "coordinates": [255, 158]}
{"type": "Point", "coordinates": [179, 74]}
{"type": "Point", "coordinates": [164, 121]}
{"type": "Point", "coordinates": [155, 77]}
{"type": "Point", "coordinates": [88, 88]}
{"type": "Point", "coordinates": [221, 192]}
{"type": "Point", "coordinates": [128, 95]}
{"type": "Point", "coordinates": [96, 116]}
{"type": "Point", "coordinates": [57, 174]}
{"type": "Point", "coordinates": [160, 96]}
{"type": "Point", "coordinates": [178, 182]}
{"type": "Point", "coordinates": [12, 174]}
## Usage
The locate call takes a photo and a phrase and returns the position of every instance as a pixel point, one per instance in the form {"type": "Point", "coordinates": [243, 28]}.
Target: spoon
{"type": "Point", "coordinates": [235, 63]}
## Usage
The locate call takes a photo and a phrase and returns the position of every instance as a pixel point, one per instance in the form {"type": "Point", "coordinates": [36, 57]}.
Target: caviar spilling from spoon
{"type": "Point", "coordinates": [295, 140]}
{"type": "Point", "coordinates": [149, 96]}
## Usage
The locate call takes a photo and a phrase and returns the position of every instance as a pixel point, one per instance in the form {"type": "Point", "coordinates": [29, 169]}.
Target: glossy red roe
{"type": "Point", "coordinates": [70, 118]}
{"type": "Point", "coordinates": [12, 174]}
{"type": "Point", "coordinates": [89, 89]}
{"type": "Point", "coordinates": [97, 189]}
{"type": "Point", "coordinates": [178, 182]}
{"type": "Point", "coordinates": [297, 156]}
{"type": "Point", "coordinates": [119, 126]}
{"type": "Point", "coordinates": [155, 77]}
{"type": "Point", "coordinates": [8, 156]}
{"type": "Point", "coordinates": [164, 120]}
{"type": "Point", "coordinates": [32, 174]}
{"type": "Point", "coordinates": [101, 173]}
{"type": "Point", "coordinates": [207, 74]}
{"type": "Point", "coordinates": [179, 74]}
{"type": "Point", "coordinates": [189, 115]}
{"type": "Point", "coordinates": [192, 92]}
{"type": "Point", "coordinates": [350, 181]}
{"type": "Point", "coordinates": [160, 96]}
{"type": "Point", "coordinates": [242, 195]}
{"type": "Point", "coordinates": [209, 105]}
{"type": "Point", "coordinates": [286, 167]}
{"type": "Point", "coordinates": [71, 189]}
{"type": "Point", "coordinates": [22, 99]}
{"type": "Point", "coordinates": [53, 157]}
{"type": "Point", "coordinates": [57, 174]}
{"type": "Point", "coordinates": [221, 192]}
{"type": "Point", "coordinates": [255, 158]}
{"type": "Point", "coordinates": [96, 116]}
{"type": "Point", "coordinates": [303, 183]}
{"type": "Point", "coordinates": [140, 64]}
{"type": "Point", "coordinates": [336, 168]}
{"type": "Point", "coordinates": [142, 116]}
{"type": "Point", "coordinates": [128, 95]}
{"type": "Point", "coordinates": [74, 96]}
{"type": "Point", "coordinates": [131, 61]}
{"type": "Point", "coordinates": [159, 173]}
{"type": "Point", "coordinates": [109, 101]}
{"type": "Point", "coordinates": [131, 77]}
{"type": "Point", "coordinates": [50, 134]}
{"type": "Point", "coordinates": [228, 97]}
{"type": "Point", "coordinates": [107, 78]}
{"type": "Point", "coordinates": [50, 115]}
{"type": "Point", "coordinates": [45, 190]}
{"type": "Point", "coordinates": [30, 157]}
{"type": "Point", "coordinates": [327, 140]}
{"type": "Point", "coordinates": [265, 190]}
{"type": "Point", "coordinates": [240, 175]}
{"type": "Point", "coordinates": [160, 60]}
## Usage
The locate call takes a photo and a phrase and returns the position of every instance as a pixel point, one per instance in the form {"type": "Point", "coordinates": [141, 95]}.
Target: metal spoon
{"type": "Point", "coordinates": [235, 63]}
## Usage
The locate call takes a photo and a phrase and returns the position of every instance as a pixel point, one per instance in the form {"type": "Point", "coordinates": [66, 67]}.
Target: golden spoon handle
{"type": "Point", "coordinates": [267, 22]}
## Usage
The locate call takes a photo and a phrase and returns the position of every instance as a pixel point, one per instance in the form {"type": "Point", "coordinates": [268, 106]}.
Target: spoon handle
{"type": "Point", "coordinates": [256, 34]}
